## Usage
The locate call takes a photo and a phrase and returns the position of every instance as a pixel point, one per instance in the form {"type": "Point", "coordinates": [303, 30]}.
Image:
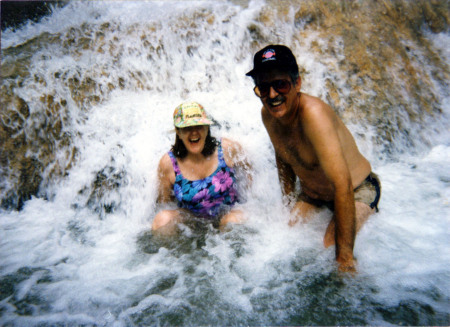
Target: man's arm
{"type": "Point", "coordinates": [322, 132]}
{"type": "Point", "coordinates": [287, 179]}
{"type": "Point", "coordinates": [286, 174]}
{"type": "Point", "coordinates": [345, 227]}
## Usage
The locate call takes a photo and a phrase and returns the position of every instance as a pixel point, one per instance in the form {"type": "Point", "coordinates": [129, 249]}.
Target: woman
{"type": "Point", "coordinates": [198, 172]}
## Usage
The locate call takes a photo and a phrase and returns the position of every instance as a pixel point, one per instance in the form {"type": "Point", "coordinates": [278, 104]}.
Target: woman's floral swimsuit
{"type": "Point", "coordinates": [206, 197]}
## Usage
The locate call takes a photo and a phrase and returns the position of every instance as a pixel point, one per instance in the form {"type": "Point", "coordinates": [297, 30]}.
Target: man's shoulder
{"type": "Point", "coordinates": [314, 108]}
{"type": "Point", "coordinates": [311, 103]}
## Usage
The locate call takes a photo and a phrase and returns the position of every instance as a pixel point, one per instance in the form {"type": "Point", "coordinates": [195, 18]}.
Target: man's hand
{"type": "Point", "coordinates": [348, 265]}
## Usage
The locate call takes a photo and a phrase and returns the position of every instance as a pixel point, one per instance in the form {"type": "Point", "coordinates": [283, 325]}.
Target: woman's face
{"type": "Point", "coordinates": [193, 138]}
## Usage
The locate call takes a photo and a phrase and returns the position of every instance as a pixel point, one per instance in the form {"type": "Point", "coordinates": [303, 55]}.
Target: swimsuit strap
{"type": "Point", "coordinates": [174, 163]}
{"type": "Point", "coordinates": [222, 162]}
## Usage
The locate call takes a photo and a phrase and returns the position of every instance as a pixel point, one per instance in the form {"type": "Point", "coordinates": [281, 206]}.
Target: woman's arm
{"type": "Point", "coordinates": [166, 179]}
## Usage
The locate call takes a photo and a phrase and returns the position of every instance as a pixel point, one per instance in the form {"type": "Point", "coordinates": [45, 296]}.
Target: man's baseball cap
{"type": "Point", "coordinates": [190, 114]}
{"type": "Point", "coordinates": [273, 56]}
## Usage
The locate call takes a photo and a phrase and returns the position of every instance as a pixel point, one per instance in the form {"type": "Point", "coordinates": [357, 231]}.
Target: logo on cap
{"type": "Point", "coordinates": [268, 55]}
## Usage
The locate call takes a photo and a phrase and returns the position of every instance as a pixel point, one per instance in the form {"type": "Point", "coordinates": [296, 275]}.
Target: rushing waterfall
{"type": "Point", "coordinates": [87, 96]}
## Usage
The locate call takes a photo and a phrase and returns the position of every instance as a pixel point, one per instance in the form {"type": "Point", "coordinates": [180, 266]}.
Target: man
{"type": "Point", "coordinates": [312, 143]}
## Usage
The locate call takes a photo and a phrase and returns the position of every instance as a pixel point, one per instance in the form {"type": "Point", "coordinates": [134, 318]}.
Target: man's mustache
{"type": "Point", "coordinates": [277, 99]}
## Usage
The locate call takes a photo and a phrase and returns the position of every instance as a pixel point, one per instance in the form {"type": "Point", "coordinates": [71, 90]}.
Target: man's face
{"type": "Point", "coordinates": [277, 92]}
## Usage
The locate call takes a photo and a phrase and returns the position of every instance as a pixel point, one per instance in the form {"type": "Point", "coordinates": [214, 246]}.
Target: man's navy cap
{"type": "Point", "coordinates": [273, 56]}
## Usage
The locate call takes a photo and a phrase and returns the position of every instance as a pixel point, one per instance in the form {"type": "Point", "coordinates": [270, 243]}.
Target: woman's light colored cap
{"type": "Point", "coordinates": [190, 114]}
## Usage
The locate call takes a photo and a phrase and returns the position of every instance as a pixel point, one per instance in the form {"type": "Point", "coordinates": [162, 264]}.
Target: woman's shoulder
{"type": "Point", "coordinates": [231, 150]}
{"type": "Point", "coordinates": [228, 144]}
{"type": "Point", "coordinates": [165, 163]}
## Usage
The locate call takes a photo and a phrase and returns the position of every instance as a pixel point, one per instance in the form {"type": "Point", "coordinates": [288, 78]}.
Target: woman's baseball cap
{"type": "Point", "coordinates": [190, 114]}
{"type": "Point", "coordinates": [273, 56]}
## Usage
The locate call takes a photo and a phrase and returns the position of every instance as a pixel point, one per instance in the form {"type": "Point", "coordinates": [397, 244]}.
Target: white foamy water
{"type": "Point", "coordinates": [75, 258]}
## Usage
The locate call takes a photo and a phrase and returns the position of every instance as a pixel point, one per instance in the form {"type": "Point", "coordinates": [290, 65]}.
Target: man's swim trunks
{"type": "Point", "coordinates": [206, 197]}
{"type": "Point", "coordinates": [368, 192]}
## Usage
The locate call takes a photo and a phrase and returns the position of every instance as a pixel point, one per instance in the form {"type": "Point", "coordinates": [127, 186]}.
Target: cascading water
{"type": "Point", "coordinates": [87, 101]}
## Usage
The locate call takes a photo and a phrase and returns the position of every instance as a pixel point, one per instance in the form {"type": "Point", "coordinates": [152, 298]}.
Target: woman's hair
{"type": "Point", "coordinates": [180, 151]}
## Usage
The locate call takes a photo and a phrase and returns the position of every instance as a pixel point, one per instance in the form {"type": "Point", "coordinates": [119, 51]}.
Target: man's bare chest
{"type": "Point", "coordinates": [293, 149]}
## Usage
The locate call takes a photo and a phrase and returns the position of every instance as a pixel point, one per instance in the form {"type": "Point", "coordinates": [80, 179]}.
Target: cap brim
{"type": "Point", "coordinates": [250, 73]}
{"type": "Point", "coordinates": [266, 66]}
{"type": "Point", "coordinates": [201, 122]}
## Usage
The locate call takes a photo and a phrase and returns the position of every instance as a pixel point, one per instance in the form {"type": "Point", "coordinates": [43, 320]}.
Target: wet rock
{"type": "Point", "coordinates": [29, 141]}
{"type": "Point", "coordinates": [436, 16]}
{"type": "Point", "coordinates": [102, 195]}
{"type": "Point", "coordinates": [29, 179]}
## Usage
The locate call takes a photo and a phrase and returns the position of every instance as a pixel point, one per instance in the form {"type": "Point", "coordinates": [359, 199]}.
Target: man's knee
{"type": "Point", "coordinates": [362, 213]}
{"type": "Point", "coordinates": [304, 208]}
{"type": "Point", "coordinates": [303, 211]}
